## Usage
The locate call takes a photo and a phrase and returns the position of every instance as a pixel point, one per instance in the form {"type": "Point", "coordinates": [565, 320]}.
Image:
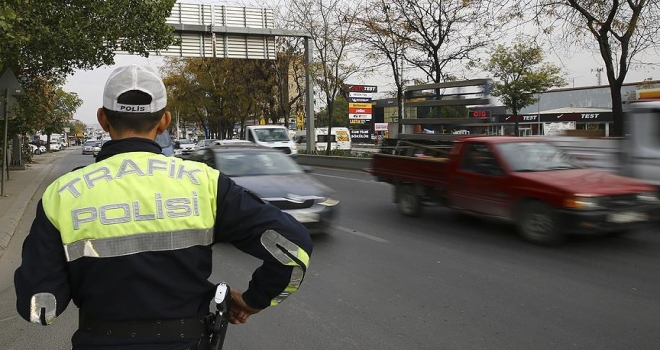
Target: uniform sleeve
{"type": "Point", "coordinates": [42, 280]}
{"type": "Point", "coordinates": [265, 232]}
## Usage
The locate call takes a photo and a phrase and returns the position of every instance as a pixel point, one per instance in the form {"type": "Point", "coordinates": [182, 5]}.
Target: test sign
{"type": "Point", "coordinates": [362, 88]}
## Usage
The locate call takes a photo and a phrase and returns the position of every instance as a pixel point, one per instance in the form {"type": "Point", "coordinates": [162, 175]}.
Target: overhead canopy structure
{"type": "Point", "coordinates": [221, 31]}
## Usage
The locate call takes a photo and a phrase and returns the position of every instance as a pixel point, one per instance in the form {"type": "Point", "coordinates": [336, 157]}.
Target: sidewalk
{"type": "Point", "coordinates": [19, 189]}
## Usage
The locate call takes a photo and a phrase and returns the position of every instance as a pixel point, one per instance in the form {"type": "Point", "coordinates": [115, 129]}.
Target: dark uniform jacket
{"type": "Point", "coordinates": [158, 284]}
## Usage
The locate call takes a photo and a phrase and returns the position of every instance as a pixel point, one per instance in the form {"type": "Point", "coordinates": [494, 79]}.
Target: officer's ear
{"type": "Point", "coordinates": [164, 122]}
{"type": "Point", "coordinates": [103, 119]}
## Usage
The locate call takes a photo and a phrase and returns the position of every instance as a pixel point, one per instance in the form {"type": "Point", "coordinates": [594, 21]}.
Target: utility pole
{"type": "Point", "coordinates": [598, 71]}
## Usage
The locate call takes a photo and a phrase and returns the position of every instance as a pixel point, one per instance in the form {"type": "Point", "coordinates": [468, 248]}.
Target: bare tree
{"type": "Point", "coordinates": [619, 30]}
{"type": "Point", "coordinates": [385, 33]}
{"type": "Point", "coordinates": [445, 34]}
{"type": "Point", "coordinates": [289, 68]}
{"type": "Point", "coordinates": [330, 24]}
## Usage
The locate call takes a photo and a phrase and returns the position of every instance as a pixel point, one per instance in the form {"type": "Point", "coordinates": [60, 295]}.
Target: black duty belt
{"type": "Point", "coordinates": [179, 328]}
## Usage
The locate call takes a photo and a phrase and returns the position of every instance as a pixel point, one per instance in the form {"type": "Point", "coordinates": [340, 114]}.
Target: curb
{"type": "Point", "coordinates": [9, 220]}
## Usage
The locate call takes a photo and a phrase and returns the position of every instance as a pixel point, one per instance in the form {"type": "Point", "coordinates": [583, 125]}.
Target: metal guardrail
{"type": "Point", "coordinates": [351, 163]}
{"type": "Point", "coordinates": [601, 154]}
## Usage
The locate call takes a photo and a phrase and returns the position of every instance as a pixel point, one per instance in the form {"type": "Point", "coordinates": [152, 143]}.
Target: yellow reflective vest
{"type": "Point", "coordinates": [131, 203]}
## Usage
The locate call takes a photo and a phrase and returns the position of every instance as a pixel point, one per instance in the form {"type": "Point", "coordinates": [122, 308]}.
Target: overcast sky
{"type": "Point", "coordinates": [580, 70]}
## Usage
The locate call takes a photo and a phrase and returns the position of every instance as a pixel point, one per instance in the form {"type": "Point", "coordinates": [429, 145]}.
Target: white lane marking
{"type": "Point", "coordinates": [350, 178]}
{"type": "Point", "coordinates": [362, 234]}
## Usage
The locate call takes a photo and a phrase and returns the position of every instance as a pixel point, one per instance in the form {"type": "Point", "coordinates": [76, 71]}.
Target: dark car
{"type": "Point", "coordinates": [277, 179]}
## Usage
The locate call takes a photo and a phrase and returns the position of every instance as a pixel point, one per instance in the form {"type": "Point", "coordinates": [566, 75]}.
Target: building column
{"type": "Point", "coordinates": [607, 129]}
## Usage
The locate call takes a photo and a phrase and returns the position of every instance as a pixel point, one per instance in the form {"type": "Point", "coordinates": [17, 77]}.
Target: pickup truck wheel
{"type": "Point", "coordinates": [537, 224]}
{"type": "Point", "coordinates": [409, 203]}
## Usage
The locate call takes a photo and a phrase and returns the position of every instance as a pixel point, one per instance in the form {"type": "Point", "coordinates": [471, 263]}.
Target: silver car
{"type": "Point", "coordinates": [88, 147]}
{"type": "Point", "coordinates": [277, 179]}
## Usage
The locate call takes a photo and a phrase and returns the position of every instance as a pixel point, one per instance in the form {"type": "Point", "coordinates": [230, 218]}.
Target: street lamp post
{"type": "Point", "coordinates": [538, 115]}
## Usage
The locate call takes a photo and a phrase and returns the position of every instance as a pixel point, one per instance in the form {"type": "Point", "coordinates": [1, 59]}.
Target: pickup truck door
{"type": "Point", "coordinates": [480, 184]}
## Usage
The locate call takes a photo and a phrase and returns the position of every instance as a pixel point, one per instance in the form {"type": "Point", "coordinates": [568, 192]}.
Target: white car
{"type": "Point", "coordinates": [96, 149]}
{"type": "Point", "coordinates": [55, 146]}
{"type": "Point", "coordinates": [183, 147]}
{"type": "Point", "coordinates": [34, 149]}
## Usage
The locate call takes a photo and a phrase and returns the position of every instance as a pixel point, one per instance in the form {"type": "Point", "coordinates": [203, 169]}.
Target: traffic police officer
{"type": "Point", "coordinates": [129, 238]}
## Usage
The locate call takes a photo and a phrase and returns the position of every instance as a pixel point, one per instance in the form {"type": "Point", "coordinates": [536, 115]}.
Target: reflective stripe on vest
{"type": "Point", "coordinates": [131, 203]}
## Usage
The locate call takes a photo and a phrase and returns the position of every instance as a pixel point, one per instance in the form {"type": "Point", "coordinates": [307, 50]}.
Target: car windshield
{"type": "Point", "coordinates": [90, 143]}
{"type": "Point", "coordinates": [185, 142]}
{"type": "Point", "coordinates": [272, 134]}
{"type": "Point", "coordinates": [206, 143]}
{"type": "Point", "coordinates": [242, 163]}
{"type": "Point", "coordinates": [535, 156]}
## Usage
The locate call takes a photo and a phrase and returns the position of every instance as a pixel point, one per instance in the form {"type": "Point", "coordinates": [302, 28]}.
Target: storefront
{"type": "Point", "coordinates": [595, 121]}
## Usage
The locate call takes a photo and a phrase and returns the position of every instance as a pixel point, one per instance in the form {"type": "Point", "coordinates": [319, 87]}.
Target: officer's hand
{"type": "Point", "coordinates": [240, 311]}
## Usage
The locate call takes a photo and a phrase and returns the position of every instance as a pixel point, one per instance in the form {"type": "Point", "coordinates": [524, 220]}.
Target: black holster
{"type": "Point", "coordinates": [217, 323]}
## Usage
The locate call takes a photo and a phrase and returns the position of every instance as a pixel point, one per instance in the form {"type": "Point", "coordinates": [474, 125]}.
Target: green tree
{"type": "Point", "coordinates": [521, 74]}
{"type": "Point", "coordinates": [76, 127]}
{"type": "Point", "coordinates": [63, 106]}
{"type": "Point", "coordinates": [43, 41]}
{"type": "Point", "coordinates": [339, 114]}
{"type": "Point", "coordinates": [217, 93]}
{"type": "Point", "coordinates": [56, 37]}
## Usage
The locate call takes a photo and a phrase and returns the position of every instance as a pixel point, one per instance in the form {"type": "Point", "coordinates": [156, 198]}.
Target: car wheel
{"type": "Point", "coordinates": [409, 204]}
{"type": "Point", "coordinates": [537, 224]}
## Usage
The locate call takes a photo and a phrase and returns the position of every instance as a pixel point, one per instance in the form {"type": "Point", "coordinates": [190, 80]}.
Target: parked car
{"type": "Point", "coordinates": [277, 179]}
{"type": "Point", "coordinates": [34, 149]}
{"type": "Point", "coordinates": [55, 146]}
{"type": "Point", "coordinates": [88, 147]}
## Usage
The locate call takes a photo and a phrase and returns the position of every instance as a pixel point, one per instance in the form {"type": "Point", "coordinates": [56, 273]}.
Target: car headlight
{"type": "Point", "coordinates": [583, 202]}
{"type": "Point", "coordinates": [651, 197]}
{"type": "Point", "coordinates": [329, 202]}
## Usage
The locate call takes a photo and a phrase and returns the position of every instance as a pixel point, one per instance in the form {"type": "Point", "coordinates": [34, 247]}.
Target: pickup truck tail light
{"type": "Point", "coordinates": [582, 203]}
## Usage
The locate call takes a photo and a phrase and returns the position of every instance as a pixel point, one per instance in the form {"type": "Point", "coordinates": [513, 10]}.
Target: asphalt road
{"type": "Point", "coordinates": [383, 281]}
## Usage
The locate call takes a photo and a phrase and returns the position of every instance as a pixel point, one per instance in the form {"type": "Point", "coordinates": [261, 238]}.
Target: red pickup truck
{"type": "Point", "coordinates": [527, 181]}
